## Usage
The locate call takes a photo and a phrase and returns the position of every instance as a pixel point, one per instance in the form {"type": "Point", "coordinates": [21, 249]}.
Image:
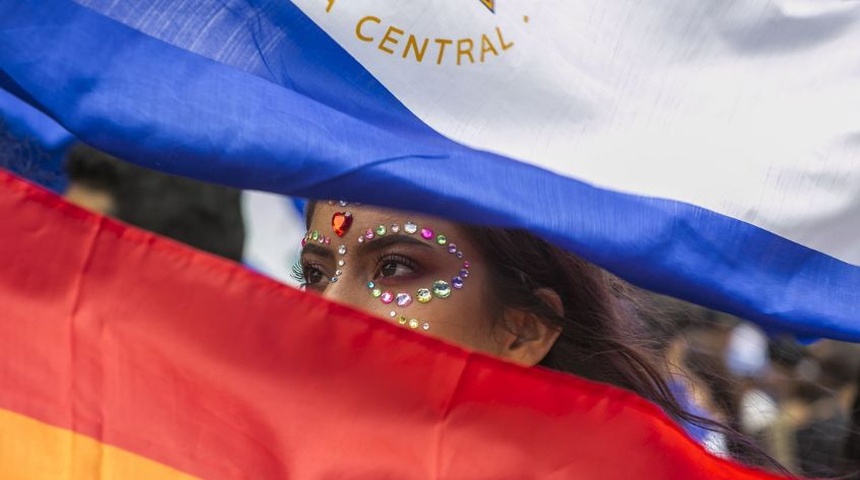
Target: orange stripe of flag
{"type": "Point", "coordinates": [34, 450]}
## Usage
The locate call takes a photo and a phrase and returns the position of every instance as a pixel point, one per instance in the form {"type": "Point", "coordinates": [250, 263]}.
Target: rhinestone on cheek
{"type": "Point", "coordinates": [381, 230]}
{"type": "Point", "coordinates": [441, 239]}
{"type": "Point", "coordinates": [338, 272]}
{"type": "Point", "coordinates": [369, 234]}
{"type": "Point", "coordinates": [387, 297]}
{"type": "Point", "coordinates": [426, 326]}
{"type": "Point", "coordinates": [426, 233]}
{"type": "Point", "coordinates": [341, 249]}
{"type": "Point", "coordinates": [341, 263]}
{"type": "Point", "coordinates": [371, 285]}
{"type": "Point", "coordinates": [423, 295]}
{"type": "Point", "coordinates": [464, 273]}
{"type": "Point", "coordinates": [395, 228]}
{"type": "Point", "coordinates": [360, 239]}
{"type": "Point", "coordinates": [466, 264]}
{"type": "Point", "coordinates": [459, 254]}
{"type": "Point", "coordinates": [410, 227]}
{"type": "Point", "coordinates": [457, 282]}
{"type": "Point", "coordinates": [452, 248]}
{"type": "Point", "coordinates": [376, 293]}
{"type": "Point", "coordinates": [413, 323]}
{"type": "Point", "coordinates": [402, 320]}
{"type": "Point", "coordinates": [441, 289]}
{"type": "Point", "coordinates": [333, 279]}
{"type": "Point", "coordinates": [392, 314]}
{"type": "Point", "coordinates": [315, 235]}
{"type": "Point", "coordinates": [403, 299]}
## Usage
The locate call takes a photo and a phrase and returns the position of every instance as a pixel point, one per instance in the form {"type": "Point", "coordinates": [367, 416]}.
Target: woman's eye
{"type": "Point", "coordinates": [313, 275]}
{"type": "Point", "coordinates": [395, 266]}
{"type": "Point", "coordinates": [308, 275]}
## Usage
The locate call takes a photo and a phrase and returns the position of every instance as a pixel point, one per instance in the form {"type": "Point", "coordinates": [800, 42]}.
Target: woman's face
{"type": "Point", "coordinates": [413, 270]}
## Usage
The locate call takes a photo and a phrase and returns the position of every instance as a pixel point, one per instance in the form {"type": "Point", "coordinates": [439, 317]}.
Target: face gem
{"type": "Point", "coordinates": [341, 249]}
{"type": "Point", "coordinates": [331, 203]}
{"type": "Point", "coordinates": [371, 285]}
{"type": "Point", "coordinates": [452, 248]}
{"type": "Point", "coordinates": [387, 297]}
{"type": "Point", "coordinates": [441, 239]}
{"type": "Point", "coordinates": [381, 230]}
{"type": "Point", "coordinates": [392, 314]}
{"type": "Point", "coordinates": [315, 235]}
{"type": "Point", "coordinates": [342, 203]}
{"type": "Point", "coordinates": [333, 279]}
{"type": "Point", "coordinates": [403, 299]}
{"type": "Point", "coordinates": [457, 282]}
{"type": "Point", "coordinates": [327, 240]}
{"type": "Point", "coordinates": [466, 264]}
{"type": "Point", "coordinates": [340, 223]}
{"type": "Point", "coordinates": [304, 241]}
{"type": "Point", "coordinates": [426, 233]}
{"type": "Point", "coordinates": [341, 262]}
{"type": "Point", "coordinates": [338, 272]}
{"type": "Point", "coordinates": [464, 273]}
{"type": "Point", "coordinates": [410, 227]}
{"type": "Point", "coordinates": [441, 289]}
{"type": "Point", "coordinates": [413, 324]}
{"type": "Point", "coordinates": [376, 293]}
{"type": "Point", "coordinates": [394, 228]}
{"type": "Point", "coordinates": [459, 254]}
{"type": "Point", "coordinates": [423, 295]}
{"type": "Point", "coordinates": [321, 240]}
{"type": "Point", "coordinates": [402, 320]}
{"type": "Point", "coordinates": [361, 239]}
{"type": "Point", "coordinates": [425, 327]}
{"type": "Point", "coordinates": [369, 234]}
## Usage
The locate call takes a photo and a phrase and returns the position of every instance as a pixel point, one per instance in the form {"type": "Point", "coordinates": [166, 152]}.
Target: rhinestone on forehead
{"type": "Point", "coordinates": [410, 228]}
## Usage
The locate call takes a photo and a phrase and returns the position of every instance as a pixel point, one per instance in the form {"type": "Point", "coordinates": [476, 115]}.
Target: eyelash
{"type": "Point", "coordinates": [386, 258]}
{"type": "Point", "coordinates": [300, 272]}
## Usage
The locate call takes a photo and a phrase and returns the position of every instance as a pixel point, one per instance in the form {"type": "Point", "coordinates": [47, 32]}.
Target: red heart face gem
{"type": "Point", "coordinates": [340, 223]}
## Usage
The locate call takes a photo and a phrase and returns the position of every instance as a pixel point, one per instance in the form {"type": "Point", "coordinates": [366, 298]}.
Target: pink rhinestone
{"type": "Point", "coordinates": [426, 233]}
{"type": "Point", "coordinates": [387, 297]}
{"type": "Point", "coordinates": [466, 264]}
{"type": "Point", "coordinates": [369, 234]}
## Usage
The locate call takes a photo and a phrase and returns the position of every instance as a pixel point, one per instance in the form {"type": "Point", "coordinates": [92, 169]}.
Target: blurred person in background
{"type": "Point", "coordinates": [202, 215]}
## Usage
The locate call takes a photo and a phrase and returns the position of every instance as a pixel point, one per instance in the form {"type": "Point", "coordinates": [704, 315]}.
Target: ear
{"type": "Point", "coordinates": [528, 339]}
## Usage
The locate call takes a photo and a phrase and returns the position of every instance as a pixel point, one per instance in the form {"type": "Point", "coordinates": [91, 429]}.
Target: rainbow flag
{"type": "Point", "coordinates": [129, 356]}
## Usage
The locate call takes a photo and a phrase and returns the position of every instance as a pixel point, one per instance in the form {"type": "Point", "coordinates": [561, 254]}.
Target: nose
{"type": "Point", "coordinates": [346, 291]}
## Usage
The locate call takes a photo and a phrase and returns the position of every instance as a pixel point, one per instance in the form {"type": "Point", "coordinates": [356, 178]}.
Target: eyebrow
{"type": "Point", "coordinates": [372, 246]}
{"type": "Point", "coordinates": [314, 249]}
{"type": "Point", "coordinates": [382, 243]}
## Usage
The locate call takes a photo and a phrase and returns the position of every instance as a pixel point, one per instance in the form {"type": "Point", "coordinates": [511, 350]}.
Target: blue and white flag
{"type": "Point", "coordinates": [707, 150]}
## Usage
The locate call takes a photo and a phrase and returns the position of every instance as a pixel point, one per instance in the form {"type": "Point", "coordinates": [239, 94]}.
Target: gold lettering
{"type": "Point", "coordinates": [486, 47]}
{"type": "Point", "coordinates": [328, 7]}
{"type": "Point", "coordinates": [461, 52]}
{"type": "Point", "coordinates": [502, 40]}
{"type": "Point", "coordinates": [419, 53]}
{"type": "Point", "coordinates": [362, 37]}
{"type": "Point", "coordinates": [389, 39]}
{"type": "Point", "coordinates": [443, 42]}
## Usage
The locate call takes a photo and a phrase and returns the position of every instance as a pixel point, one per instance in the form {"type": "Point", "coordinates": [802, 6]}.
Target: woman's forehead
{"type": "Point", "coordinates": [325, 213]}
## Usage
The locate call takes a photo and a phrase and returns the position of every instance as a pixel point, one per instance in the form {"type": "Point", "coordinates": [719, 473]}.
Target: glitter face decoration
{"type": "Point", "coordinates": [340, 223]}
{"type": "Point", "coordinates": [438, 289]}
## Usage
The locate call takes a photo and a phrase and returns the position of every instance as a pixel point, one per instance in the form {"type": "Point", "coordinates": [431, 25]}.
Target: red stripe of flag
{"type": "Point", "coordinates": [199, 364]}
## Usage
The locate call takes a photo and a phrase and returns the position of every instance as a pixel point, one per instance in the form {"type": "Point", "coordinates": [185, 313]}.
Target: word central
{"type": "Point", "coordinates": [393, 40]}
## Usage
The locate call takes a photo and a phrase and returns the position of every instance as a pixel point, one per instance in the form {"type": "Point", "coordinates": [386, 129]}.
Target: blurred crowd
{"type": "Point", "coordinates": [796, 401]}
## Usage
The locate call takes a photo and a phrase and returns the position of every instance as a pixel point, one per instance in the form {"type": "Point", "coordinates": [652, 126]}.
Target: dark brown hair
{"type": "Point", "coordinates": [599, 339]}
